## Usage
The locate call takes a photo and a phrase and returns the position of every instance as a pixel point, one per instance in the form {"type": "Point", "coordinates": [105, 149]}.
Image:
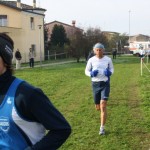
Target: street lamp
{"type": "Point", "coordinates": [117, 46]}
{"type": "Point", "coordinates": [129, 27]}
{"type": "Point", "coordinates": [40, 26]}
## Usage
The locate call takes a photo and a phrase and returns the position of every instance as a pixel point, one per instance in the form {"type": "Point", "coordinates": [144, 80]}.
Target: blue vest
{"type": "Point", "coordinates": [10, 137]}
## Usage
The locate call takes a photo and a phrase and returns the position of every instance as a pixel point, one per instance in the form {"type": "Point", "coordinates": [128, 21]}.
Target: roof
{"type": "Point", "coordinates": [110, 32]}
{"type": "Point", "coordinates": [24, 7]}
{"type": "Point", "coordinates": [141, 35]}
{"type": "Point", "coordinates": [63, 24]}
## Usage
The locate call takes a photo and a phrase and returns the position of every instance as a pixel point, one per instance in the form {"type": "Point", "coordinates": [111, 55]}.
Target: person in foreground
{"type": "Point", "coordinates": [100, 68]}
{"type": "Point", "coordinates": [25, 111]}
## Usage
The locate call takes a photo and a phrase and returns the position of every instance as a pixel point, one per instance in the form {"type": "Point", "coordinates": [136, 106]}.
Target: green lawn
{"type": "Point", "coordinates": [128, 122]}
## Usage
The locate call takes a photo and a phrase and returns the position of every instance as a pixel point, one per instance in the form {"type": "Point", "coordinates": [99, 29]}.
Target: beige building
{"type": "Point", "coordinates": [138, 41]}
{"type": "Point", "coordinates": [110, 34]}
{"type": "Point", "coordinates": [70, 29]}
{"type": "Point", "coordinates": [24, 24]}
{"type": "Point", "coordinates": [140, 38]}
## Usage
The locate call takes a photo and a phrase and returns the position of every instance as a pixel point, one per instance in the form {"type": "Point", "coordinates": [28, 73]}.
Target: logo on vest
{"type": "Point", "coordinates": [4, 124]}
{"type": "Point", "coordinates": [8, 101]}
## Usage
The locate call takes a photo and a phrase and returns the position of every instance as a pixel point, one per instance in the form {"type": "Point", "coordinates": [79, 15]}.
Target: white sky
{"type": "Point", "coordinates": [108, 15]}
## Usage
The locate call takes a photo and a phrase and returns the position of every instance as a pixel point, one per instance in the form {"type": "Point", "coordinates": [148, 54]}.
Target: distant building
{"type": "Point", "coordinates": [24, 24]}
{"type": "Point", "coordinates": [70, 29]}
{"type": "Point", "coordinates": [138, 42]}
{"type": "Point", "coordinates": [139, 38]}
{"type": "Point", "coordinates": [110, 34]}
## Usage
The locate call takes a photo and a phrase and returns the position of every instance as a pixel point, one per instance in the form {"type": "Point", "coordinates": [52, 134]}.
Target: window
{"type": "Point", "coordinates": [32, 23]}
{"type": "Point", "coordinates": [3, 20]}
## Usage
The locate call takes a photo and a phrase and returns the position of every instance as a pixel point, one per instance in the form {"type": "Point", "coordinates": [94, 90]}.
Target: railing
{"type": "Point", "coordinates": [37, 58]}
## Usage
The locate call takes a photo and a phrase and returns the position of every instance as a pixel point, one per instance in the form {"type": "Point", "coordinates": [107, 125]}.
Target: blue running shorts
{"type": "Point", "coordinates": [101, 91]}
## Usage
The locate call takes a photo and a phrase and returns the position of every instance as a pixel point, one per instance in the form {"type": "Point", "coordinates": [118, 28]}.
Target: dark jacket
{"type": "Point", "coordinates": [18, 55]}
{"type": "Point", "coordinates": [33, 105]}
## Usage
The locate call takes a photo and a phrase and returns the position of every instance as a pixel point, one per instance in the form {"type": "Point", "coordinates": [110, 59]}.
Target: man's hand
{"type": "Point", "coordinates": [107, 72]}
{"type": "Point", "coordinates": [94, 73]}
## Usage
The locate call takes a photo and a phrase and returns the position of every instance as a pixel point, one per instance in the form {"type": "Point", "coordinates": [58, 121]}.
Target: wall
{"type": "Point", "coordinates": [20, 31]}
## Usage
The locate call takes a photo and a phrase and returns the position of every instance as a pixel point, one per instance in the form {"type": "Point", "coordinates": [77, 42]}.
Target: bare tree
{"type": "Point", "coordinates": [76, 45]}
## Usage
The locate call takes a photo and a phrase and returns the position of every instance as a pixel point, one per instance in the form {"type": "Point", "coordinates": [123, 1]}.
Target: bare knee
{"type": "Point", "coordinates": [103, 105]}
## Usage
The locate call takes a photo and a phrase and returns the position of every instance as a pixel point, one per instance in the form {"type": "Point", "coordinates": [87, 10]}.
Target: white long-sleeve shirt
{"type": "Point", "coordinates": [100, 64]}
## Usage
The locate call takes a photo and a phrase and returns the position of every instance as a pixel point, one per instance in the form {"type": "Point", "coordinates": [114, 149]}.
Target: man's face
{"type": "Point", "coordinates": [2, 66]}
{"type": "Point", "coordinates": [98, 52]}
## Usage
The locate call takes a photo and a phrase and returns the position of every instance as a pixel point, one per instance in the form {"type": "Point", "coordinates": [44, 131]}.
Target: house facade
{"type": "Point", "coordinates": [139, 41]}
{"type": "Point", "coordinates": [110, 34]}
{"type": "Point", "coordinates": [139, 38]}
{"type": "Point", "coordinates": [24, 24]}
{"type": "Point", "coordinates": [70, 29]}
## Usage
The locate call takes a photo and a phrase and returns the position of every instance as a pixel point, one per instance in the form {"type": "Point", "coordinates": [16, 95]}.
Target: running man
{"type": "Point", "coordinates": [100, 68]}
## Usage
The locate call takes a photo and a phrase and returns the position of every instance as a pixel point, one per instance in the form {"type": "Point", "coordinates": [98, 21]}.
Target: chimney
{"type": "Point", "coordinates": [34, 3]}
{"type": "Point", "coordinates": [19, 3]}
{"type": "Point", "coordinates": [73, 23]}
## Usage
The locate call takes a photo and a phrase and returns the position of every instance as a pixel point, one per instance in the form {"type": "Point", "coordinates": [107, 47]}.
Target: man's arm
{"type": "Point", "coordinates": [111, 67]}
{"type": "Point", "coordinates": [34, 105]}
{"type": "Point", "coordinates": [52, 119]}
{"type": "Point", "coordinates": [88, 68]}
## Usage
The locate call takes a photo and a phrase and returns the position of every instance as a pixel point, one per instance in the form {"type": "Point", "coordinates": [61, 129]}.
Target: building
{"type": "Point", "coordinates": [138, 42]}
{"type": "Point", "coordinates": [139, 38]}
{"type": "Point", "coordinates": [110, 34]}
{"type": "Point", "coordinates": [70, 29]}
{"type": "Point", "coordinates": [24, 24]}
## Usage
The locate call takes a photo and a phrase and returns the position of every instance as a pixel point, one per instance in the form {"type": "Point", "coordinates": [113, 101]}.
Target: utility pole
{"type": "Point", "coordinates": [129, 27]}
{"type": "Point", "coordinates": [40, 26]}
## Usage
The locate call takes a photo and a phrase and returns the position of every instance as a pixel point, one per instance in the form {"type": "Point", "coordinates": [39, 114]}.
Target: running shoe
{"type": "Point", "coordinates": [102, 131]}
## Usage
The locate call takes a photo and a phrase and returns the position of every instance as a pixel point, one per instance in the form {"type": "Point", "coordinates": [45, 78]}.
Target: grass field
{"type": "Point", "coordinates": [128, 122]}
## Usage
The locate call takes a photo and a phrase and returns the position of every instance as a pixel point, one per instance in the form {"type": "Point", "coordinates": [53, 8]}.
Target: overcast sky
{"type": "Point", "coordinates": [108, 15]}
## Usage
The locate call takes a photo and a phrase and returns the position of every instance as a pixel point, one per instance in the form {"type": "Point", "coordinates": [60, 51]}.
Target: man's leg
{"type": "Point", "coordinates": [32, 65]}
{"type": "Point", "coordinates": [32, 62]}
{"type": "Point", "coordinates": [103, 116]}
{"type": "Point", "coordinates": [103, 112]}
{"type": "Point", "coordinates": [97, 106]}
{"type": "Point", "coordinates": [17, 64]}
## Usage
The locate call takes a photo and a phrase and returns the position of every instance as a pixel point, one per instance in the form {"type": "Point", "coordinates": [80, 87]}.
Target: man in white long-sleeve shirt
{"type": "Point", "coordinates": [100, 68]}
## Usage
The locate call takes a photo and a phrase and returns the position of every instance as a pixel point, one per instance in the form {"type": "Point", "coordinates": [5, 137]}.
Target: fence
{"type": "Point", "coordinates": [42, 57]}
{"type": "Point", "coordinates": [147, 57]}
